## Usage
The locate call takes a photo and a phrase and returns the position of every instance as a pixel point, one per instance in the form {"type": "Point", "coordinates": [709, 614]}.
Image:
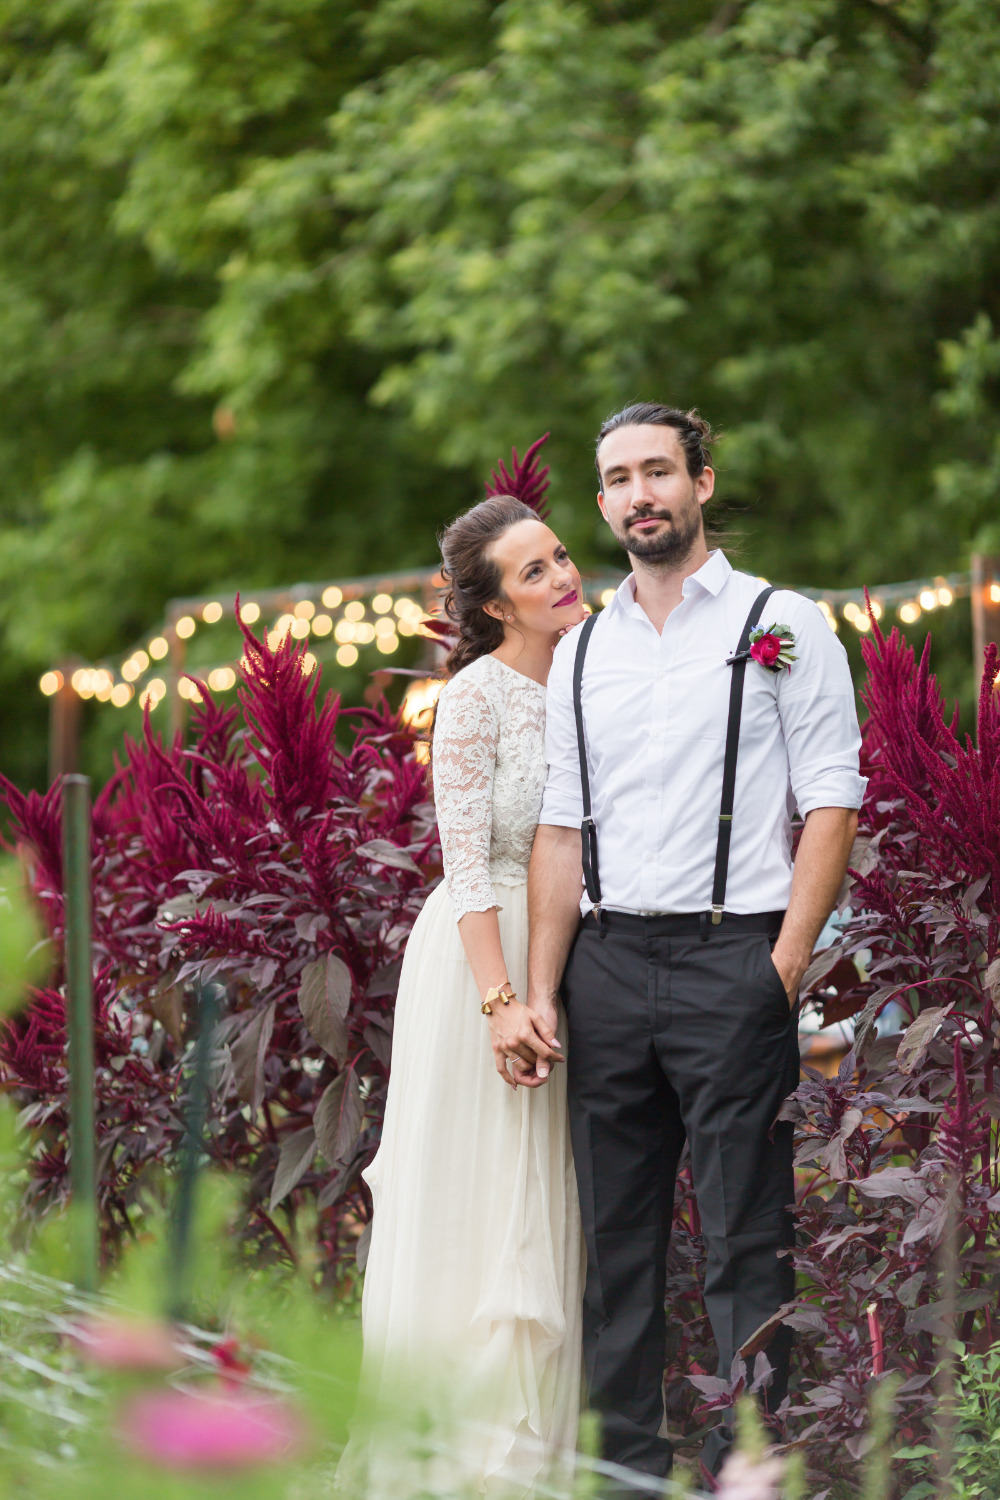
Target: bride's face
{"type": "Point", "coordinates": [541, 585]}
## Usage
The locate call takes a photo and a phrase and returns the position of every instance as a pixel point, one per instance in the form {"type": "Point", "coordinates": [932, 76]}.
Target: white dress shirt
{"type": "Point", "coordinates": [655, 708]}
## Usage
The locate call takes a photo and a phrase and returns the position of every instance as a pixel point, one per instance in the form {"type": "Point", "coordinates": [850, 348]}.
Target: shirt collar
{"type": "Point", "coordinates": [711, 576]}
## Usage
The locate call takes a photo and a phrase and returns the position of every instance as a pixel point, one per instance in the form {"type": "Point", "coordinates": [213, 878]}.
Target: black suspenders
{"type": "Point", "coordinates": [588, 829]}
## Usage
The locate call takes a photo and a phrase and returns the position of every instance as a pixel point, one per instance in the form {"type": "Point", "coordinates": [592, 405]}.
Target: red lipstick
{"type": "Point", "coordinates": [569, 598]}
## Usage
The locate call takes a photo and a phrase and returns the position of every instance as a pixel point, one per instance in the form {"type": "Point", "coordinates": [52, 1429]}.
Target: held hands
{"type": "Point", "coordinates": [524, 1044]}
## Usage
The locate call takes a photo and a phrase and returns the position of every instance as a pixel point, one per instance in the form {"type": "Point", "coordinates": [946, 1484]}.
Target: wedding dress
{"type": "Point", "coordinates": [471, 1306]}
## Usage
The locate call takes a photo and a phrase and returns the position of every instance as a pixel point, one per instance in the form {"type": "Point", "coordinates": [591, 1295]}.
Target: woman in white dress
{"type": "Point", "coordinates": [471, 1308]}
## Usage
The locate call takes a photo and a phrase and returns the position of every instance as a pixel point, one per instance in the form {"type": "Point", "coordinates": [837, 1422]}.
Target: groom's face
{"type": "Point", "coordinates": [648, 498]}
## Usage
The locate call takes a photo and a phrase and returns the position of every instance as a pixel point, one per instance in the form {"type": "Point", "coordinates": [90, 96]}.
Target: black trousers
{"type": "Point", "coordinates": [673, 1038]}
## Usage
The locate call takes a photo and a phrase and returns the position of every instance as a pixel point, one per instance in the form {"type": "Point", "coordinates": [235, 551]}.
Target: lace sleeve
{"type": "Point", "coordinates": [465, 749]}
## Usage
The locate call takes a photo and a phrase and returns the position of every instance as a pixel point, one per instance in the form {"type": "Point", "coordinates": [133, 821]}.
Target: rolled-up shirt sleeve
{"type": "Point", "coordinates": [819, 716]}
{"type": "Point", "coordinates": [562, 803]}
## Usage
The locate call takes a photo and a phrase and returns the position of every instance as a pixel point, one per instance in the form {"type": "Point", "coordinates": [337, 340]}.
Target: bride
{"type": "Point", "coordinates": [471, 1307]}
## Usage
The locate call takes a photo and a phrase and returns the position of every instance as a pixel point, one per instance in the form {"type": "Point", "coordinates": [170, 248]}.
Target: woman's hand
{"type": "Point", "coordinates": [524, 1036]}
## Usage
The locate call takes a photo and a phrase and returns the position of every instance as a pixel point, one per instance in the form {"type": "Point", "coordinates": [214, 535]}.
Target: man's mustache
{"type": "Point", "coordinates": [647, 515]}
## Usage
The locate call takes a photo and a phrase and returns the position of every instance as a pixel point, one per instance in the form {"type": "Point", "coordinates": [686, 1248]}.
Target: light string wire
{"type": "Point", "coordinates": [343, 617]}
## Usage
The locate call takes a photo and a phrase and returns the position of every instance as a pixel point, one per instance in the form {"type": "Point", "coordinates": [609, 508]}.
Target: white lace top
{"type": "Point", "coordinates": [489, 774]}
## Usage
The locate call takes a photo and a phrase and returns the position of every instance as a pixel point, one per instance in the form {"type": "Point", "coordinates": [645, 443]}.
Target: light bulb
{"type": "Point", "coordinates": [343, 632]}
{"type": "Point", "coordinates": [50, 682]}
{"type": "Point", "coordinates": [354, 611]}
{"type": "Point", "coordinates": [387, 643]}
{"type": "Point", "coordinates": [309, 664]}
{"type": "Point", "coordinates": [385, 627]}
{"type": "Point", "coordinates": [304, 610]}
{"type": "Point", "coordinates": [158, 647]}
{"type": "Point", "coordinates": [909, 612]}
{"type": "Point", "coordinates": [347, 655]}
{"type": "Point", "coordinates": [121, 694]}
{"type": "Point", "coordinates": [250, 612]}
{"type": "Point", "coordinates": [945, 595]}
{"type": "Point", "coordinates": [332, 596]}
{"type": "Point", "coordinates": [382, 603]}
{"type": "Point", "coordinates": [185, 627]}
{"type": "Point", "coordinates": [404, 607]}
{"type": "Point", "coordinates": [928, 599]}
{"type": "Point", "coordinates": [212, 613]}
{"type": "Point", "coordinates": [364, 633]}
{"type": "Point", "coordinates": [322, 625]}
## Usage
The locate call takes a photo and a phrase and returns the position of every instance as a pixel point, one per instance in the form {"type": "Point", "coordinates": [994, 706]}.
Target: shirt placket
{"type": "Point", "coordinates": [654, 832]}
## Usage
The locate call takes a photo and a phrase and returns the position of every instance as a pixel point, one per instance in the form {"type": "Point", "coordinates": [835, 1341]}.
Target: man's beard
{"type": "Point", "coordinates": [668, 548]}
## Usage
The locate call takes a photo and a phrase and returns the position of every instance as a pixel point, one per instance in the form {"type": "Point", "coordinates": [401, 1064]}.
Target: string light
{"type": "Point", "coordinates": [417, 707]}
{"type": "Point", "coordinates": [402, 618]}
{"type": "Point", "coordinates": [995, 593]}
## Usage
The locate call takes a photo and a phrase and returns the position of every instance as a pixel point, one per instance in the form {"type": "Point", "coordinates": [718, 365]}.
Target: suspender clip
{"type": "Point", "coordinates": [725, 817]}
{"type": "Point", "coordinates": [716, 915]}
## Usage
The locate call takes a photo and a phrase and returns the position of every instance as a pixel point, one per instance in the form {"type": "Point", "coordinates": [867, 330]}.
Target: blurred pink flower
{"type": "Point", "coordinates": [127, 1343]}
{"type": "Point", "coordinates": [743, 1478]}
{"type": "Point", "coordinates": [184, 1430]}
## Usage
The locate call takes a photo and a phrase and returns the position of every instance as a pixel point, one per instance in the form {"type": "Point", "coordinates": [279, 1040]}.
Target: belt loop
{"type": "Point", "coordinates": [599, 917]}
{"type": "Point", "coordinates": [703, 925]}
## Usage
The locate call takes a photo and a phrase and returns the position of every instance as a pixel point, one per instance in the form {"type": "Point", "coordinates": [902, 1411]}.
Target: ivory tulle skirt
{"type": "Point", "coordinates": [471, 1307]}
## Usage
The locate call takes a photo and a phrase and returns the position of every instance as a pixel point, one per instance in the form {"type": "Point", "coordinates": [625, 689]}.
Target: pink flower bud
{"type": "Point", "coordinates": [127, 1343]}
{"type": "Point", "coordinates": [185, 1430]}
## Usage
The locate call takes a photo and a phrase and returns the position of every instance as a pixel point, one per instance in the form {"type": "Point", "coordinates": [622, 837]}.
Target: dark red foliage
{"type": "Point", "coordinates": [524, 480]}
{"type": "Point", "coordinates": [290, 838]}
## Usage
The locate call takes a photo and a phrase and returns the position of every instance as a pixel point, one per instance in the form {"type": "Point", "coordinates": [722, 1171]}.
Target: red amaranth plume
{"type": "Point", "coordinates": [526, 482]}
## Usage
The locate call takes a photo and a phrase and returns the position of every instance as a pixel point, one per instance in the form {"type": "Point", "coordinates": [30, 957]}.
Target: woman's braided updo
{"type": "Point", "coordinates": [473, 577]}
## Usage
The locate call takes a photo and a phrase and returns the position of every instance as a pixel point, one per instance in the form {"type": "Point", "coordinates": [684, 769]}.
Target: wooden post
{"type": "Point", "coordinates": [177, 706]}
{"type": "Point", "coordinates": [64, 725]}
{"type": "Point", "coordinates": [80, 1026]}
{"type": "Point", "coordinates": [985, 606]}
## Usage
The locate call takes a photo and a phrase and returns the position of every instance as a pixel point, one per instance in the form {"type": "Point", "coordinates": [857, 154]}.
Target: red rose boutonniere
{"type": "Point", "coordinates": [773, 647]}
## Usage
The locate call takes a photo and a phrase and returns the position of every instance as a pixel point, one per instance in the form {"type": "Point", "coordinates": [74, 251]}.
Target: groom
{"type": "Point", "coordinates": [684, 724]}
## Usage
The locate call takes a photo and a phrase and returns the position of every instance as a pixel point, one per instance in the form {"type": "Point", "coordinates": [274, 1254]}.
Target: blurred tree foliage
{"type": "Point", "coordinates": [279, 279]}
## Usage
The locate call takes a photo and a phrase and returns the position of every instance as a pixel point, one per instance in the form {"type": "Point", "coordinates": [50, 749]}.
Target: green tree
{"type": "Point", "coordinates": [280, 279]}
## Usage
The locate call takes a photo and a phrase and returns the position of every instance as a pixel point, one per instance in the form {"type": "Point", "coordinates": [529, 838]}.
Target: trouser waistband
{"type": "Point", "coordinates": [684, 924]}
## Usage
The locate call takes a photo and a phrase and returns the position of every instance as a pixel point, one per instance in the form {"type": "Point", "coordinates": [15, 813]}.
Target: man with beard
{"type": "Point", "coordinates": [684, 725]}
